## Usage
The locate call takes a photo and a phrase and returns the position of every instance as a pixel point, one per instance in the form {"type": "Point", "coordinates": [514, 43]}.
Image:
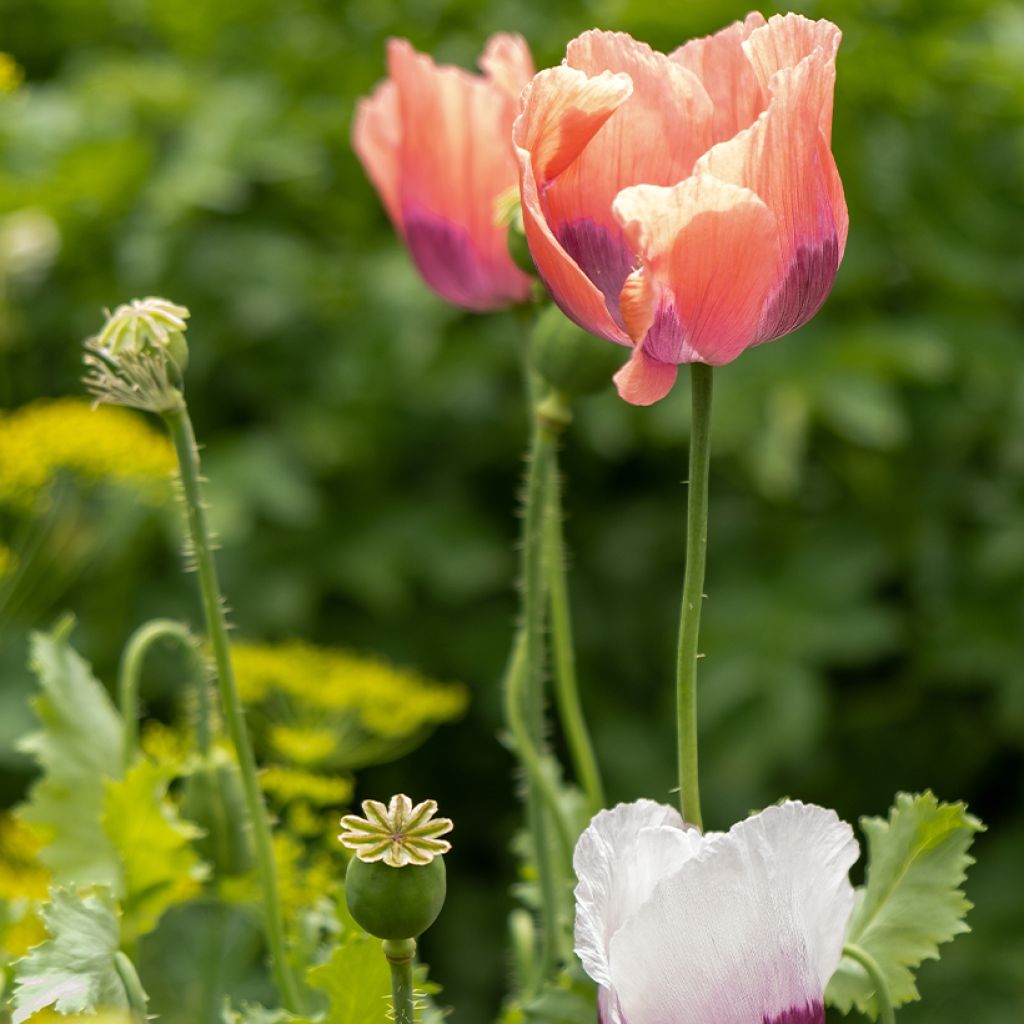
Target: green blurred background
{"type": "Point", "coordinates": [864, 625]}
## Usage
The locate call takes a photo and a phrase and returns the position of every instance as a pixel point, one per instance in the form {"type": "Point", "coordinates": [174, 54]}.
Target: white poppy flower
{"type": "Point", "coordinates": [743, 927]}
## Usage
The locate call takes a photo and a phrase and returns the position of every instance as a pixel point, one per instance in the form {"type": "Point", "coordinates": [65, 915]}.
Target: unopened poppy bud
{"type": "Point", "coordinates": [508, 213]}
{"type": "Point", "coordinates": [396, 883]}
{"type": "Point", "coordinates": [570, 360]}
{"type": "Point", "coordinates": [213, 800]}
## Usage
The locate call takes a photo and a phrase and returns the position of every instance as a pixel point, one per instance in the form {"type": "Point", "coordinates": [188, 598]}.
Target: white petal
{"type": "Point", "coordinates": [619, 859]}
{"type": "Point", "coordinates": [750, 929]}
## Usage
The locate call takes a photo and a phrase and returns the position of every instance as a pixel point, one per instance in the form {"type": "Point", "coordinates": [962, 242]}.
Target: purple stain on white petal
{"type": "Point", "coordinates": [805, 287]}
{"type": "Point", "coordinates": [444, 253]}
{"type": "Point", "coordinates": [810, 1013]}
{"type": "Point", "coordinates": [602, 254]}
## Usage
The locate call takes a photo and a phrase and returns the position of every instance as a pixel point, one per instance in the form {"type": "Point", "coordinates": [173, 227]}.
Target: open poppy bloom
{"type": "Point", "coordinates": [743, 927]}
{"type": "Point", "coordinates": [436, 143]}
{"type": "Point", "coordinates": [685, 204]}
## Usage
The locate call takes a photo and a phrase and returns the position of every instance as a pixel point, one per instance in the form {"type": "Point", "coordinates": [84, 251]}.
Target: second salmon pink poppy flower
{"type": "Point", "coordinates": [436, 143]}
{"type": "Point", "coordinates": [685, 204]}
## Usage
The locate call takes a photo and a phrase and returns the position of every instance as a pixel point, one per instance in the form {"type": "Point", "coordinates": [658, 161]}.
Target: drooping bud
{"type": "Point", "coordinates": [396, 883]}
{"type": "Point", "coordinates": [213, 799]}
{"type": "Point", "coordinates": [138, 358]}
{"type": "Point", "coordinates": [570, 360]}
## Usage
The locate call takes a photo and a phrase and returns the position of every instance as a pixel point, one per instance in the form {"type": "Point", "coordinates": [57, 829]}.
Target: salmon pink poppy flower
{"type": "Point", "coordinates": [685, 204]}
{"type": "Point", "coordinates": [724, 928]}
{"type": "Point", "coordinates": [436, 143]}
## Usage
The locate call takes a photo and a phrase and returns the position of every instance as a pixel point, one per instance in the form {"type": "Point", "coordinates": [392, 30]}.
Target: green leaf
{"type": "Point", "coordinates": [78, 748]}
{"type": "Point", "coordinates": [158, 866]}
{"type": "Point", "coordinates": [356, 981]}
{"type": "Point", "coordinates": [80, 969]}
{"type": "Point", "coordinates": [911, 902]}
{"type": "Point", "coordinates": [570, 999]}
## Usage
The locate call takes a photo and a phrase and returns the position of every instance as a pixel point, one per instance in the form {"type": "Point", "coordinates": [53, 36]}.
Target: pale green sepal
{"type": "Point", "coordinates": [911, 902]}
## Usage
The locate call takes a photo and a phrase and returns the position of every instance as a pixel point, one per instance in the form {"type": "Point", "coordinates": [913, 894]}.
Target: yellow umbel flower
{"type": "Point", "coordinates": [391, 701]}
{"type": "Point", "coordinates": [287, 784]}
{"type": "Point", "coordinates": [11, 75]}
{"type": "Point", "coordinates": [304, 744]}
{"type": "Point", "coordinates": [46, 437]}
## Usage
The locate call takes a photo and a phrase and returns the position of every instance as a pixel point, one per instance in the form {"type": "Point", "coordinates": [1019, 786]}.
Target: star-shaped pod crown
{"type": "Point", "coordinates": [398, 834]}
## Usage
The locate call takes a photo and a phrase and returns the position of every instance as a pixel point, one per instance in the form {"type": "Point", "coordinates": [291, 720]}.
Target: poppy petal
{"type": "Point", "coordinates": [562, 111]}
{"type": "Point", "coordinates": [749, 930]}
{"type": "Point", "coordinates": [376, 139]}
{"type": "Point", "coordinates": [710, 251]}
{"type": "Point", "coordinates": [648, 837]}
{"type": "Point", "coordinates": [725, 71]}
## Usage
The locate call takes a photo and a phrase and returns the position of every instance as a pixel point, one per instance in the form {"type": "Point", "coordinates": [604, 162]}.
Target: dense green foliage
{"type": "Point", "coordinates": [363, 440]}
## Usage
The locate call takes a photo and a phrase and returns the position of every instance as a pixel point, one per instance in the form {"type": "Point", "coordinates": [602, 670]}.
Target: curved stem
{"type": "Point", "coordinates": [567, 694]}
{"type": "Point", "coordinates": [180, 427]}
{"type": "Point", "coordinates": [886, 1013]}
{"type": "Point", "coordinates": [130, 675]}
{"type": "Point", "coordinates": [400, 954]}
{"type": "Point", "coordinates": [693, 594]}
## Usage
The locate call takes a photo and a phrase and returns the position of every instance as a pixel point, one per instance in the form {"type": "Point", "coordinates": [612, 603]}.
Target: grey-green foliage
{"type": "Point", "coordinates": [911, 902]}
{"type": "Point", "coordinates": [78, 749]}
{"type": "Point", "coordinates": [80, 969]}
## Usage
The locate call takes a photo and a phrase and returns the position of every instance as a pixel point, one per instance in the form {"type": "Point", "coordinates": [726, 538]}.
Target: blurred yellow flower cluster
{"type": "Point", "coordinates": [46, 437]}
{"type": "Point", "coordinates": [7, 560]}
{"type": "Point", "coordinates": [23, 883]}
{"type": "Point", "coordinates": [327, 706]}
{"type": "Point", "coordinates": [11, 75]}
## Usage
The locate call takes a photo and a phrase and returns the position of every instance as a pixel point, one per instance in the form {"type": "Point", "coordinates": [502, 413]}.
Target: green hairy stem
{"type": "Point", "coordinates": [180, 427]}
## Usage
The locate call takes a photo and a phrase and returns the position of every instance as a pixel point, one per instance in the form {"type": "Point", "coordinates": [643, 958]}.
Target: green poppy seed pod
{"type": "Point", "coordinates": [570, 360]}
{"type": "Point", "coordinates": [395, 903]}
{"type": "Point", "coordinates": [395, 884]}
{"type": "Point", "coordinates": [152, 325]}
{"type": "Point", "coordinates": [213, 799]}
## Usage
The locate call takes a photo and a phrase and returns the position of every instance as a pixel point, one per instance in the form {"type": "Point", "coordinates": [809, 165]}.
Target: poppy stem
{"type": "Point", "coordinates": [526, 699]}
{"type": "Point", "coordinates": [567, 694]}
{"type": "Point", "coordinates": [179, 425]}
{"type": "Point", "coordinates": [400, 954]}
{"type": "Point", "coordinates": [886, 1014]}
{"type": "Point", "coordinates": [130, 676]}
{"type": "Point", "coordinates": [693, 593]}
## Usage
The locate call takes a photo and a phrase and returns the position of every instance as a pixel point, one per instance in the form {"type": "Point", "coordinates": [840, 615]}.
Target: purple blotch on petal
{"type": "Point", "coordinates": [664, 339]}
{"type": "Point", "coordinates": [805, 287]}
{"type": "Point", "coordinates": [445, 255]}
{"type": "Point", "coordinates": [602, 254]}
{"type": "Point", "coordinates": [811, 1013]}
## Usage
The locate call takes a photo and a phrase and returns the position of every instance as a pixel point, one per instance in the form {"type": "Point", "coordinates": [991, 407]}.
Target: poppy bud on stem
{"type": "Point", "coordinates": [137, 361]}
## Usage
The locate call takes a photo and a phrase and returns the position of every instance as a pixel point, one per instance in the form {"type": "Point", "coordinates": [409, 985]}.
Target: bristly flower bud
{"type": "Point", "coordinates": [139, 357]}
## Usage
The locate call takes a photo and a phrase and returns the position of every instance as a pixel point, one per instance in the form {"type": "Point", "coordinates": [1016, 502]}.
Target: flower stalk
{"type": "Point", "coordinates": [179, 426]}
{"type": "Point", "coordinates": [693, 594]}
{"type": "Point", "coordinates": [886, 1014]}
{"type": "Point", "coordinates": [130, 675]}
{"type": "Point", "coordinates": [401, 954]}
{"type": "Point", "coordinates": [567, 695]}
